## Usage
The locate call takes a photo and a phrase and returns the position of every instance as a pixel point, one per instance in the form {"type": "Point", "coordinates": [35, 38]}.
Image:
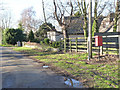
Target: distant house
{"type": "Point", "coordinates": [74, 30]}
{"type": "Point", "coordinates": [118, 28]}
{"type": "Point", "coordinates": [107, 23]}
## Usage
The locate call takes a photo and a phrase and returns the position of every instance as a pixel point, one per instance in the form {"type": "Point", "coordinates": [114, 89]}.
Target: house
{"type": "Point", "coordinates": [107, 23]}
{"type": "Point", "coordinates": [74, 30]}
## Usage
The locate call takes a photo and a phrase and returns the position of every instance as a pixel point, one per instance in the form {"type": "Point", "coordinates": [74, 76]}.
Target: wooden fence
{"type": "Point", "coordinates": [75, 44]}
{"type": "Point", "coordinates": [110, 44]}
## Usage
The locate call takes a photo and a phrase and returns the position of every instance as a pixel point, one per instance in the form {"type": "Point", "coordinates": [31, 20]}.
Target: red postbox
{"type": "Point", "coordinates": [98, 41]}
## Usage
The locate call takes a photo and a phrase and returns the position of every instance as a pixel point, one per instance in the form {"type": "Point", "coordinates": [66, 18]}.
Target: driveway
{"type": "Point", "coordinates": [19, 71]}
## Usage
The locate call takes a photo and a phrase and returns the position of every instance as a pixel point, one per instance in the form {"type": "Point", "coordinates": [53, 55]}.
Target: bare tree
{"type": "Point", "coordinates": [59, 14]}
{"type": "Point", "coordinates": [28, 20]}
{"type": "Point", "coordinates": [83, 9]}
{"type": "Point", "coordinates": [45, 19]}
{"type": "Point", "coordinates": [5, 20]}
{"type": "Point", "coordinates": [5, 16]}
{"type": "Point", "coordinates": [98, 10]}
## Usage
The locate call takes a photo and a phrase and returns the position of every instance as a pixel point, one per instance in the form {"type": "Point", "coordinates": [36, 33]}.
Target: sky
{"type": "Point", "coordinates": [17, 6]}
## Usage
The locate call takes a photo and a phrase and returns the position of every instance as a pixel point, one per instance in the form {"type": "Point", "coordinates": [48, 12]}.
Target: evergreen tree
{"type": "Point", "coordinates": [43, 29]}
{"type": "Point", "coordinates": [31, 36]}
{"type": "Point", "coordinates": [12, 36]}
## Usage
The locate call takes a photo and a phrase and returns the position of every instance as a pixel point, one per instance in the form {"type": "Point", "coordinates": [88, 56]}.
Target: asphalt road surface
{"type": "Point", "coordinates": [19, 71]}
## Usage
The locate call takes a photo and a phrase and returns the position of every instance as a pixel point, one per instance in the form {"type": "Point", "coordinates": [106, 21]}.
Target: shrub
{"type": "Point", "coordinates": [12, 36]}
{"type": "Point", "coordinates": [58, 44]}
{"type": "Point", "coordinates": [46, 40]}
{"type": "Point", "coordinates": [55, 44]}
{"type": "Point", "coordinates": [36, 40]}
{"type": "Point", "coordinates": [41, 42]}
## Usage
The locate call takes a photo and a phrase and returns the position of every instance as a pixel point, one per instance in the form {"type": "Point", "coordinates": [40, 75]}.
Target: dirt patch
{"type": "Point", "coordinates": [104, 59]}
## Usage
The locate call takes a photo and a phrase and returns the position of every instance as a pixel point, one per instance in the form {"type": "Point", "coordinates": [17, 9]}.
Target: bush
{"type": "Point", "coordinates": [46, 40]}
{"type": "Point", "coordinates": [41, 42]}
{"type": "Point", "coordinates": [12, 36]}
{"type": "Point", "coordinates": [36, 40]}
{"type": "Point", "coordinates": [55, 44]}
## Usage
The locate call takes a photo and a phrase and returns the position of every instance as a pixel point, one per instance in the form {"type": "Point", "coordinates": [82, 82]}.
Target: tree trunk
{"type": "Point", "coordinates": [65, 35]}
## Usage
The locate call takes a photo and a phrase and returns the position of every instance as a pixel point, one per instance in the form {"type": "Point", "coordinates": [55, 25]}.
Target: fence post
{"type": "Point", "coordinates": [64, 44]}
{"type": "Point", "coordinates": [76, 44]}
{"type": "Point", "coordinates": [86, 40]}
{"type": "Point", "coordinates": [70, 45]}
{"type": "Point", "coordinates": [106, 46]}
{"type": "Point", "coordinates": [60, 44]}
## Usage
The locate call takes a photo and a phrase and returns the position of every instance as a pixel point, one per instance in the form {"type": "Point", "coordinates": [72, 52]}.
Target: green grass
{"type": "Point", "coordinates": [22, 49]}
{"type": "Point", "coordinates": [103, 75]}
{"type": "Point", "coordinates": [7, 45]}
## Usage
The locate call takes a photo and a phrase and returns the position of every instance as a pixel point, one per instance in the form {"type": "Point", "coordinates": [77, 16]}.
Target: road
{"type": "Point", "coordinates": [19, 71]}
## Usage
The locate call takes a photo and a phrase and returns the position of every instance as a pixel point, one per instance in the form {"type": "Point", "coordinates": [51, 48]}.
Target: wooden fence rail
{"type": "Point", "coordinates": [110, 45]}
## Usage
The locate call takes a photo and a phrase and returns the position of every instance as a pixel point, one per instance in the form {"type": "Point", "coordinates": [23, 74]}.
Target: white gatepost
{"type": "Point", "coordinates": [18, 44]}
{"type": "Point", "coordinates": [119, 46]}
{"type": "Point", "coordinates": [0, 68]}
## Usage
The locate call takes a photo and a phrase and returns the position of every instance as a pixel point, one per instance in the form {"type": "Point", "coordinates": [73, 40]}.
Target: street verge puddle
{"type": "Point", "coordinates": [46, 67]}
{"type": "Point", "coordinates": [72, 82]}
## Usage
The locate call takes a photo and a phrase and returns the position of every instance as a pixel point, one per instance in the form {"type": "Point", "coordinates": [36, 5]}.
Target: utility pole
{"type": "Point", "coordinates": [90, 31]}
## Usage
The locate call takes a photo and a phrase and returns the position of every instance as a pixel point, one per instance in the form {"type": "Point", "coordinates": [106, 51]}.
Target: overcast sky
{"type": "Point", "coordinates": [17, 6]}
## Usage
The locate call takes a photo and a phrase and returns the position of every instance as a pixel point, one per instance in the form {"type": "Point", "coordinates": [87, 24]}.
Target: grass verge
{"type": "Point", "coordinates": [7, 45]}
{"type": "Point", "coordinates": [92, 75]}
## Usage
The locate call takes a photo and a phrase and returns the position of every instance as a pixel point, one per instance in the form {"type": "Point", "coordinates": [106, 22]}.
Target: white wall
{"type": "Point", "coordinates": [53, 36]}
{"type": "Point", "coordinates": [0, 36]}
